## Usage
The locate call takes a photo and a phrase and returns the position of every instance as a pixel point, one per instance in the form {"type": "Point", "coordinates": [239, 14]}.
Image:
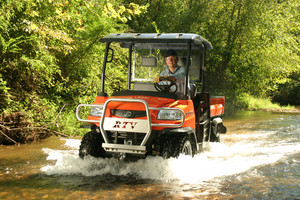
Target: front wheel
{"type": "Point", "coordinates": [91, 145]}
{"type": "Point", "coordinates": [187, 146]}
{"type": "Point", "coordinates": [173, 146]}
{"type": "Point", "coordinates": [167, 144]}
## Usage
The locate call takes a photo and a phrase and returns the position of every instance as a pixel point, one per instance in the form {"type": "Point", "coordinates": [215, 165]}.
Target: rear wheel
{"type": "Point", "coordinates": [215, 135]}
{"type": "Point", "coordinates": [91, 145]}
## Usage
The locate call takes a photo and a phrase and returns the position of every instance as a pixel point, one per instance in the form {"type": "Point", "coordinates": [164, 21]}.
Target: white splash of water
{"type": "Point", "coordinates": [222, 160]}
{"type": "Point", "coordinates": [72, 143]}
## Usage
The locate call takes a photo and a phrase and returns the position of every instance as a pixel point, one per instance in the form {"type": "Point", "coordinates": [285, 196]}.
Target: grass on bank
{"type": "Point", "coordinates": [249, 102]}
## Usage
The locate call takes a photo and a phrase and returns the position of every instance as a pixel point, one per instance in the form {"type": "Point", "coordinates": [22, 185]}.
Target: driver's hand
{"type": "Point", "coordinates": [157, 79]}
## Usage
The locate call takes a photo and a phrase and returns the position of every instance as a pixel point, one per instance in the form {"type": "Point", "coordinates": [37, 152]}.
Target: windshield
{"type": "Point", "coordinates": [149, 62]}
{"type": "Point", "coordinates": [152, 60]}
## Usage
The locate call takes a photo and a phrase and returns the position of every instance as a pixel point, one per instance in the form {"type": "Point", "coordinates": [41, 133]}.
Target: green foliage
{"type": "Point", "coordinates": [249, 102]}
{"type": "Point", "coordinates": [256, 44]}
{"type": "Point", "coordinates": [288, 92]}
{"type": "Point", "coordinates": [50, 55]}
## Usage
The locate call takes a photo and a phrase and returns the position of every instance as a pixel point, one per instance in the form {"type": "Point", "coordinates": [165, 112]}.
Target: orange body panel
{"type": "Point", "coordinates": [217, 106]}
{"type": "Point", "coordinates": [154, 102]}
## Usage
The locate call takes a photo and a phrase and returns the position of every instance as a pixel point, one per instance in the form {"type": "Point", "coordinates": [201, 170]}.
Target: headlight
{"type": "Point", "coordinates": [169, 115]}
{"type": "Point", "coordinates": [96, 111]}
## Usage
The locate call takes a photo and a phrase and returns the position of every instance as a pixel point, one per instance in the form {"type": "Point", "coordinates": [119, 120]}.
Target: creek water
{"type": "Point", "coordinates": [259, 158]}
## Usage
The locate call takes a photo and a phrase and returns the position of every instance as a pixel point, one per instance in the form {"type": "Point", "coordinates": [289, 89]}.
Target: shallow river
{"type": "Point", "coordinates": [259, 158]}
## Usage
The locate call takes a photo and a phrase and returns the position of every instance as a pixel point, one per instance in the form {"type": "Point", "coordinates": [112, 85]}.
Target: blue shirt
{"type": "Point", "coordinates": [179, 72]}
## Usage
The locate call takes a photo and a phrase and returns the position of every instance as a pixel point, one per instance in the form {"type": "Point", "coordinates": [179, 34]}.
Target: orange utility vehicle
{"type": "Point", "coordinates": [154, 115]}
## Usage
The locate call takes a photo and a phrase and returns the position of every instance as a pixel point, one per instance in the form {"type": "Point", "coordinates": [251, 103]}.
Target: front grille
{"type": "Point", "coordinates": [128, 113]}
{"type": "Point", "coordinates": [125, 137]}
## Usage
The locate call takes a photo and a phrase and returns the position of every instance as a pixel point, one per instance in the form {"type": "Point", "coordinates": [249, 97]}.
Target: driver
{"type": "Point", "coordinates": [173, 71]}
{"type": "Point", "coordinates": [172, 68]}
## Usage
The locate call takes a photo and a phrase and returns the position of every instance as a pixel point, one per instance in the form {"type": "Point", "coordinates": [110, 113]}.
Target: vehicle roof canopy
{"type": "Point", "coordinates": [180, 38]}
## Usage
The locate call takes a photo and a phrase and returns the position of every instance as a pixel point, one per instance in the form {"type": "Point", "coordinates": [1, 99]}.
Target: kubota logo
{"type": "Point", "coordinates": [124, 125]}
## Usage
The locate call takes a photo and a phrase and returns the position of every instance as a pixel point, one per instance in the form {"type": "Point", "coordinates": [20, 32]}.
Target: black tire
{"type": "Point", "coordinates": [173, 146]}
{"type": "Point", "coordinates": [215, 135]}
{"type": "Point", "coordinates": [91, 145]}
{"type": "Point", "coordinates": [187, 146]}
{"type": "Point", "coordinates": [166, 147]}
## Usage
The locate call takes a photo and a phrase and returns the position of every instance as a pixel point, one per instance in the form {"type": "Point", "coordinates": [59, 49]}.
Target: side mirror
{"type": "Point", "coordinates": [149, 61]}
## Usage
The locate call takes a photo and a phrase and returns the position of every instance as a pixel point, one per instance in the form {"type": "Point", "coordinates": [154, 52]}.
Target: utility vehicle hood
{"type": "Point", "coordinates": [154, 99]}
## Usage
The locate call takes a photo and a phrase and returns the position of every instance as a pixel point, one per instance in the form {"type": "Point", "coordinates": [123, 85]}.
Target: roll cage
{"type": "Point", "coordinates": [146, 117]}
{"type": "Point", "coordinates": [177, 41]}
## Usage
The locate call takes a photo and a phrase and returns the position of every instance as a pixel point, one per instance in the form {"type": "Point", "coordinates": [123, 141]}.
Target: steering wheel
{"type": "Point", "coordinates": [165, 83]}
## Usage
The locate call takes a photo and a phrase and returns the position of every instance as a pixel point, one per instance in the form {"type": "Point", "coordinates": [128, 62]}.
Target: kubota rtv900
{"type": "Point", "coordinates": [155, 114]}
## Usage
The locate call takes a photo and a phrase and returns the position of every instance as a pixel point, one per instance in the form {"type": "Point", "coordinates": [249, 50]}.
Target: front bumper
{"type": "Point", "coordinates": [119, 125]}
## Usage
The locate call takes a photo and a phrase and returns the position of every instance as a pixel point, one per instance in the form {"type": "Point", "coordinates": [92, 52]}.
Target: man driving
{"type": "Point", "coordinates": [173, 75]}
{"type": "Point", "coordinates": [172, 68]}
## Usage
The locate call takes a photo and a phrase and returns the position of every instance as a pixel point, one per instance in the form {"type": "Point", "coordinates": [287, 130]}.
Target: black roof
{"type": "Point", "coordinates": [158, 38]}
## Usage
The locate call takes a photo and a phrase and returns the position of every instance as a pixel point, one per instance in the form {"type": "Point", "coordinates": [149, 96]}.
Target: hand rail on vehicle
{"type": "Point", "coordinates": [150, 108]}
{"type": "Point", "coordinates": [148, 132]}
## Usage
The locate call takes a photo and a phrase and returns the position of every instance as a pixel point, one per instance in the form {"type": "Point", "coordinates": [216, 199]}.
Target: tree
{"type": "Point", "coordinates": [50, 55]}
{"type": "Point", "coordinates": [256, 44]}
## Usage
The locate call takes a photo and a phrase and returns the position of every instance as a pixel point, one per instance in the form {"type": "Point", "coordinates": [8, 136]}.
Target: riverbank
{"type": "Point", "coordinates": [253, 103]}
{"type": "Point", "coordinates": [294, 110]}
{"type": "Point", "coordinates": [15, 130]}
